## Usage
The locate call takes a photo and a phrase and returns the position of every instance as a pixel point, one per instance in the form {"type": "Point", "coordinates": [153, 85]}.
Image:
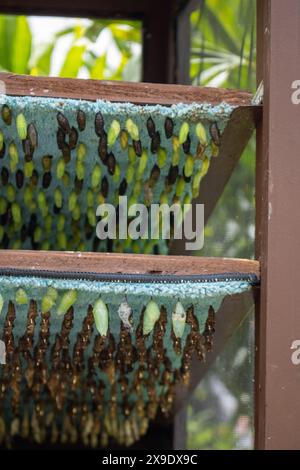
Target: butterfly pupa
{"type": "Point", "coordinates": [32, 135]}
{"type": "Point", "coordinates": [81, 120]}
{"type": "Point", "coordinates": [1, 142]}
{"type": "Point", "coordinates": [178, 320]}
{"type": "Point", "coordinates": [6, 114]}
{"type": "Point", "coordinates": [13, 156]}
{"type": "Point", "coordinates": [81, 152]}
{"type": "Point", "coordinates": [67, 300]}
{"type": "Point", "coordinates": [60, 168]}
{"type": "Point", "coordinates": [124, 313]}
{"type": "Point", "coordinates": [100, 312]}
{"type": "Point", "coordinates": [151, 315]}
{"type": "Point", "coordinates": [113, 132]}
{"type": "Point", "coordinates": [21, 297]}
{"type": "Point", "coordinates": [96, 177]}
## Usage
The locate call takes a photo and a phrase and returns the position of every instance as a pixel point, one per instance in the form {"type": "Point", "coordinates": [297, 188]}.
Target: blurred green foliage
{"type": "Point", "coordinates": [213, 423]}
{"type": "Point", "coordinates": [223, 44]}
{"type": "Point", "coordinates": [15, 40]}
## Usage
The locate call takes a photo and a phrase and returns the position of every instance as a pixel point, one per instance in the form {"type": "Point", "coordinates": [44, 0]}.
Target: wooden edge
{"type": "Point", "coordinates": [234, 140]}
{"type": "Point", "coordinates": [124, 263]}
{"type": "Point", "coordinates": [86, 9]}
{"type": "Point", "coordinates": [116, 91]}
{"type": "Point", "coordinates": [229, 317]}
{"type": "Point", "coordinates": [89, 8]}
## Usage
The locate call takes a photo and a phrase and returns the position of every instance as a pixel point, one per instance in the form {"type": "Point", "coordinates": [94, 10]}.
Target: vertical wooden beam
{"type": "Point", "coordinates": [166, 42]}
{"type": "Point", "coordinates": [278, 227]}
{"type": "Point", "coordinates": [183, 42]}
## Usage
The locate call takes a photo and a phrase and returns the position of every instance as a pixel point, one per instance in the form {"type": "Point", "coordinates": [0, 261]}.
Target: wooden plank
{"type": "Point", "coordinates": [278, 227]}
{"type": "Point", "coordinates": [123, 92]}
{"type": "Point", "coordinates": [234, 139]}
{"type": "Point", "coordinates": [229, 317]}
{"type": "Point", "coordinates": [124, 263]}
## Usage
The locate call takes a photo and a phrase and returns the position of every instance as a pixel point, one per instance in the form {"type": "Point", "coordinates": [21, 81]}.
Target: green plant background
{"type": "Point", "coordinates": [223, 55]}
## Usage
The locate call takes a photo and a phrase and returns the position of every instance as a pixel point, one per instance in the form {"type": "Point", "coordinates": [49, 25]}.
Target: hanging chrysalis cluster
{"type": "Point", "coordinates": [59, 162]}
{"type": "Point", "coordinates": [69, 381]}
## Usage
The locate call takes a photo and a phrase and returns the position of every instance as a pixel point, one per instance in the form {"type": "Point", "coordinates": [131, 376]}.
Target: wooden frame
{"type": "Point", "coordinates": [236, 135]}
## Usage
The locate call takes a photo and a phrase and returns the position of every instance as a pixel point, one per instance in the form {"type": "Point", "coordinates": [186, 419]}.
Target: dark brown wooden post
{"type": "Point", "coordinates": [278, 227]}
{"type": "Point", "coordinates": [159, 43]}
{"type": "Point", "coordinates": [183, 40]}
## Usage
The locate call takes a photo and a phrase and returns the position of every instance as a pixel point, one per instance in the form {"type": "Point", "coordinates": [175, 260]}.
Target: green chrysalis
{"type": "Point", "coordinates": [1, 303]}
{"type": "Point", "coordinates": [183, 133]}
{"type": "Point", "coordinates": [100, 313]}
{"type": "Point", "coordinates": [132, 129]}
{"type": "Point", "coordinates": [48, 301]}
{"type": "Point", "coordinates": [201, 134]}
{"type": "Point", "coordinates": [113, 132]}
{"type": "Point", "coordinates": [21, 297]}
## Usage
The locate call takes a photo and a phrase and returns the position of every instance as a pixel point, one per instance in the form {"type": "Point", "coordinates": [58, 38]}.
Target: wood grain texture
{"type": "Point", "coordinates": [234, 139]}
{"type": "Point", "coordinates": [123, 92]}
{"type": "Point", "coordinates": [124, 263]}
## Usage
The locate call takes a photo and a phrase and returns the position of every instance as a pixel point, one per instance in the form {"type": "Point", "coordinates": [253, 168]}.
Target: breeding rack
{"type": "Point", "coordinates": [278, 271]}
